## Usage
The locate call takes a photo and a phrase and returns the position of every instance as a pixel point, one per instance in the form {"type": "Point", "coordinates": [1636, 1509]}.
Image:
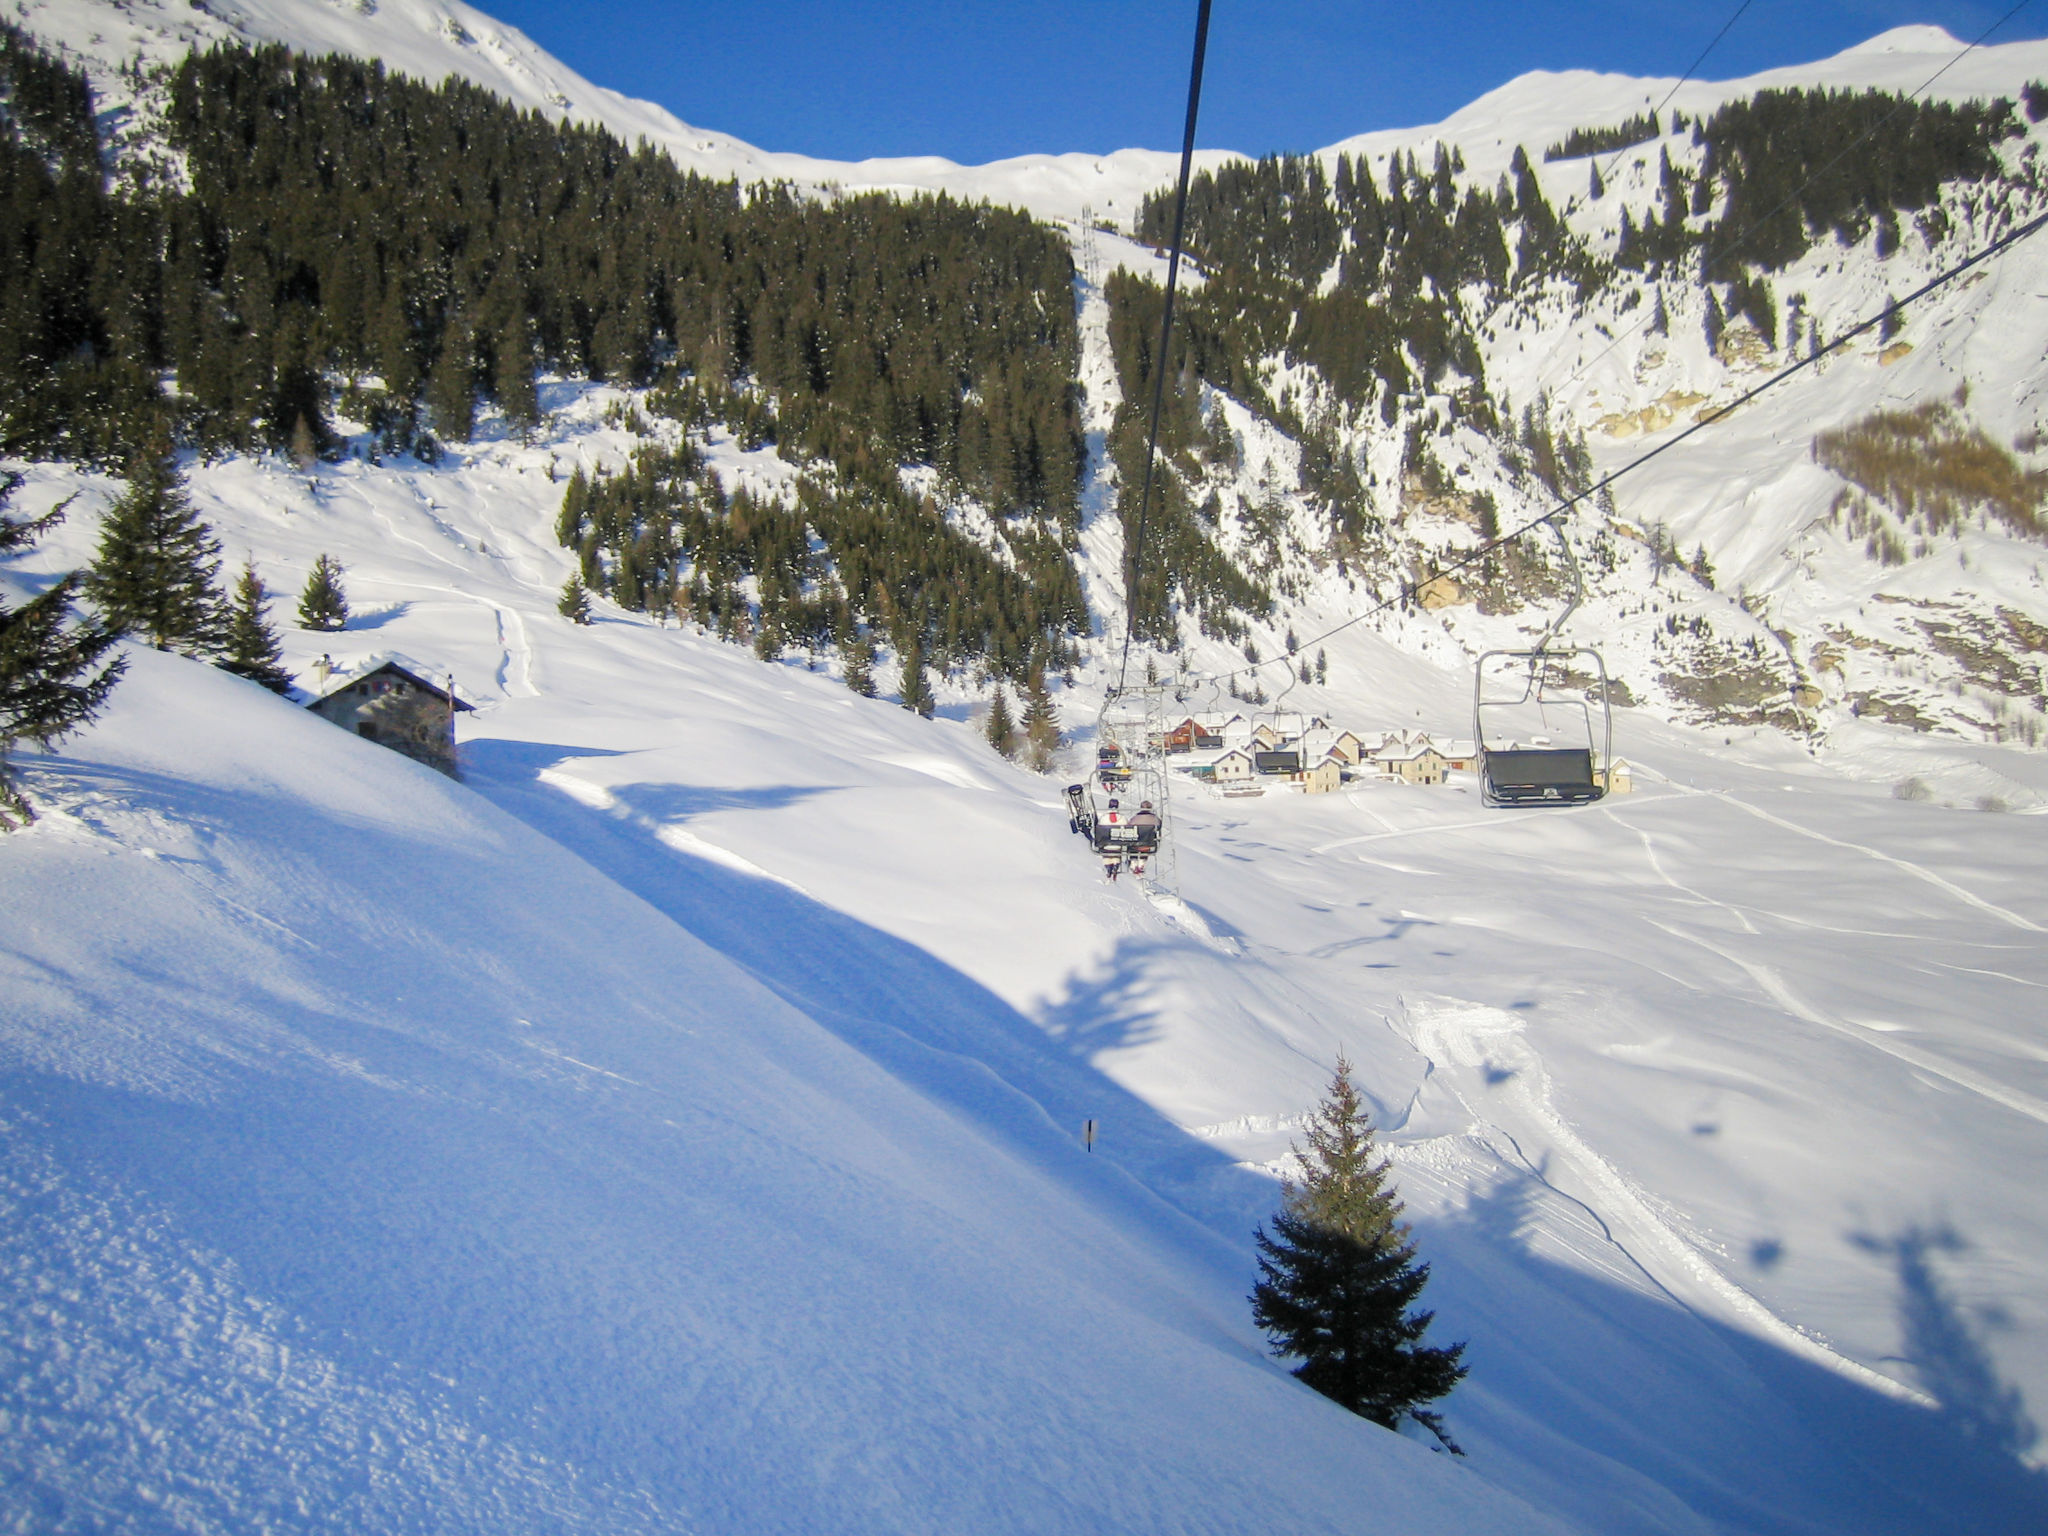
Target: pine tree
{"type": "Point", "coordinates": [252, 650]}
{"type": "Point", "coordinates": [51, 680]}
{"type": "Point", "coordinates": [322, 604]}
{"type": "Point", "coordinates": [574, 603]}
{"type": "Point", "coordinates": [1001, 729]}
{"type": "Point", "coordinates": [1338, 1277]}
{"type": "Point", "coordinates": [1041, 721]}
{"type": "Point", "coordinates": [857, 656]}
{"type": "Point", "coordinates": [916, 688]}
{"type": "Point", "coordinates": [154, 574]}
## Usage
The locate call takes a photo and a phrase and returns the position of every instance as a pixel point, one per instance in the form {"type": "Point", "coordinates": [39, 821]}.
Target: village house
{"type": "Point", "coordinates": [1234, 765]}
{"type": "Point", "coordinates": [388, 699]}
{"type": "Point", "coordinates": [1347, 745]}
{"type": "Point", "coordinates": [1322, 775]}
{"type": "Point", "coordinates": [1461, 755]}
{"type": "Point", "coordinates": [1416, 763]}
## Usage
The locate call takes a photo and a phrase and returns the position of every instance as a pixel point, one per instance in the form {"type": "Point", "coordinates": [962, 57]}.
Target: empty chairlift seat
{"type": "Point", "coordinates": [1542, 775]}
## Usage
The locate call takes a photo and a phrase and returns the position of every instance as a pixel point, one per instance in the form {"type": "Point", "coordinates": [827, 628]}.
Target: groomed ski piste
{"type": "Point", "coordinates": [675, 1125]}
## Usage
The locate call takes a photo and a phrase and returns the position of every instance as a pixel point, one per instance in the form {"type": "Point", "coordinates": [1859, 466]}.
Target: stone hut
{"type": "Point", "coordinates": [388, 699]}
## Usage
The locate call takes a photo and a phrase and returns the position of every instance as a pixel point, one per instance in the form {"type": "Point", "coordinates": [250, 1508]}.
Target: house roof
{"type": "Point", "coordinates": [397, 664]}
{"type": "Point", "coordinates": [1326, 740]}
{"type": "Point", "coordinates": [1406, 753]}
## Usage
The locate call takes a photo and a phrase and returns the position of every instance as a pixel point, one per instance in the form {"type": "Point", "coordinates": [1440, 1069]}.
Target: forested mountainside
{"type": "Point", "coordinates": [1389, 357]}
{"type": "Point", "coordinates": [320, 240]}
{"type": "Point", "coordinates": [1445, 350]}
{"type": "Point", "coordinates": [1453, 353]}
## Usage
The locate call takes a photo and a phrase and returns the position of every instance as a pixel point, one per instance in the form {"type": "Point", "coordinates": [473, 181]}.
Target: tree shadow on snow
{"type": "Point", "coordinates": [1948, 1359]}
{"type": "Point", "coordinates": [1757, 1439]}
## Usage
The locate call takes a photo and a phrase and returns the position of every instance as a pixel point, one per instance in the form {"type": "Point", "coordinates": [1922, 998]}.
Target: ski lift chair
{"type": "Point", "coordinates": [1538, 772]}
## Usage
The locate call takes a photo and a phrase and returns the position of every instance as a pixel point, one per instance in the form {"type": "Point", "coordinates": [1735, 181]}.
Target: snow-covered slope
{"type": "Point", "coordinates": [374, 1163]}
{"type": "Point", "coordinates": [1728, 1188]}
{"type": "Point", "coordinates": [676, 1126]}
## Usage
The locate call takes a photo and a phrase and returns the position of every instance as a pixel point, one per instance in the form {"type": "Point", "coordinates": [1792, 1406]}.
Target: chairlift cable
{"type": "Point", "coordinates": [1411, 589]}
{"type": "Point", "coordinates": [1656, 112]}
{"type": "Point", "coordinates": [1134, 549]}
{"type": "Point", "coordinates": [1733, 243]}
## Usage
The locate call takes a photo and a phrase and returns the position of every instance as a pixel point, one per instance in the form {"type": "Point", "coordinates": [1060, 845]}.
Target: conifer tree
{"type": "Point", "coordinates": [574, 603]}
{"type": "Point", "coordinates": [1001, 729]}
{"type": "Point", "coordinates": [916, 688]}
{"type": "Point", "coordinates": [857, 655]}
{"type": "Point", "coordinates": [1041, 721]}
{"type": "Point", "coordinates": [322, 604]}
{"type": "Point", "coordinates": [251, 649]}
{"type": "Point", "coordinates": [51, 680]}
{"type": "Point", "coordinates": [1338, 1277]}
{"type": "Point", "coordinates": [154, 574]}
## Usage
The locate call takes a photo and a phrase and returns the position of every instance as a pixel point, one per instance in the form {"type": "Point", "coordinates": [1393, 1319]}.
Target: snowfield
{"type": "Point", "coordinates": [675, 1125]}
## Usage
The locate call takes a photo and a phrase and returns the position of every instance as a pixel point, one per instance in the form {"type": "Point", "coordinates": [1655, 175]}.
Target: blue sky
{"type": "Point", "coordinates": [976, 81]}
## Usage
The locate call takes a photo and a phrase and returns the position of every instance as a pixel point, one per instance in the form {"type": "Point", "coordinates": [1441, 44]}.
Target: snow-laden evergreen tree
{"type": "Point", "coordinates": [1000, 728]}
{"type": "Point", "coordinates": [322, 604]}
{"type": "Point", "coordinates": [251, 649]}
{"type": "Point", "coordinates": [154, 574]}
{"type": "Point", "coordinates": [1338, 1277]}
{"type": "Point", "coordinates": [51, 677]}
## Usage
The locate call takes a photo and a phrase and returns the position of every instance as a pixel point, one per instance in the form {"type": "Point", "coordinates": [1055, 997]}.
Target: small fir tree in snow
{"type": "Point", "coordinates": [1701, 567]}
{"type": "Point", "coordinates": [51, 679]}
{"type": "Point", "coordinates": [153, 576]}
{"type": "Point", "coordinates": [252, 650]}
{"type": "Point", "coordinates": [916, 687]}
{"type": "Point", "coordinates": [322, 604]}
{"type": "Point", "coordinates": [574, 603]}
{"type": "Point", "coordinates": [857, 656]}
{"type": "Point", "coordinates": [1001, 728]}
{"type": "Point", "coordinates": [1041, 721]}
{"type": "Point", "coordinates": [1338, 1277]}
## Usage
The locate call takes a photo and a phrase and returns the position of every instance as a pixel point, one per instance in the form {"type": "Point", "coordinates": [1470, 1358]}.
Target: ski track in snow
{"type": "Point", "coordinates": [1872, 1035]}
{"type": "Point", "coordinates": [1471, 1037]}
{"type": "Point", "coordinates": [1919, 872]}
